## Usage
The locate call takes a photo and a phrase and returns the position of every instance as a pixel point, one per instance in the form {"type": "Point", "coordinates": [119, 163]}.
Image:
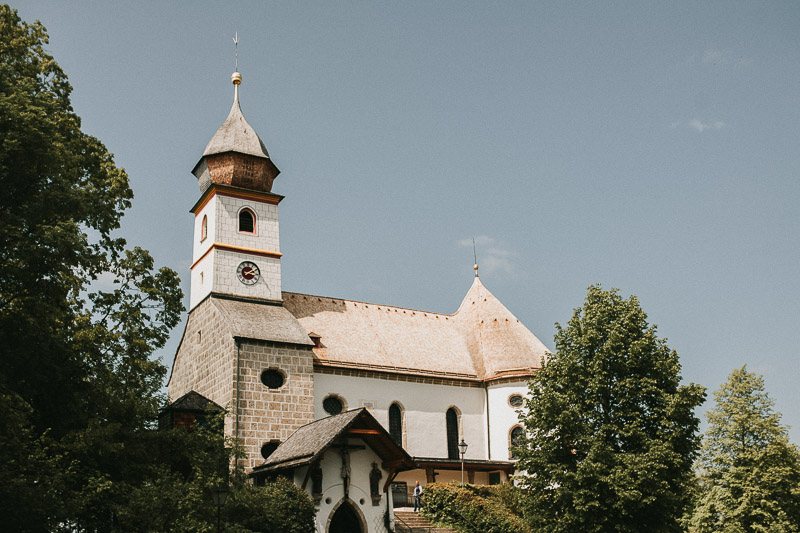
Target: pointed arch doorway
{"type": "Point", "coordinates": [346, 519]}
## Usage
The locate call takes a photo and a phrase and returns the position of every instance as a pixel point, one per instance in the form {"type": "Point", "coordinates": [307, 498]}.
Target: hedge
{"type": "Point", "coordinates": [472, 509]}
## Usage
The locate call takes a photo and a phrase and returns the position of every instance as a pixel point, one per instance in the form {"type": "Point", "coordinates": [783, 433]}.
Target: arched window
{"type": "Point", "coordinates": [515, 439]}
{"type": "Point", "coordinates": [204, 228]}
{"type": "Point", "coordinates": [247, 221]}
{"type": "Point", "coordinates": [452, 433]}
{"type": "Point", "coordinates": [396, 424]}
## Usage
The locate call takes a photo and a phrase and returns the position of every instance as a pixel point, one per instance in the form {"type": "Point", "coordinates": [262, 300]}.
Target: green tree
{"type": "Point", "coordinates": [749, 472]}
{"type": "Point", "coordinates": [80, 318]}
{"type": "Point", "coordinates": [611, 434]}
{"type": "Point", "coordinates": [78, 385]}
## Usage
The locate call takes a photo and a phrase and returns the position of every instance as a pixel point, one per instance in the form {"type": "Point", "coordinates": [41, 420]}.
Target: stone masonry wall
{"type": "Point", "coordinates": [273, 414]}
{"type": "Point", "coordinates": [205, 358]}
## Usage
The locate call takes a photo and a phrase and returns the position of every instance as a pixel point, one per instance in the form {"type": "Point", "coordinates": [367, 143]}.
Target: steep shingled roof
{"type": "Point", "coordinates": [236, 135]}
{"type": "Point", "coordinates": [482, 340]}
{"type": "Point", "coordinates": [309, 442]}
{"type": "Point", "coordinates": [261, 321]}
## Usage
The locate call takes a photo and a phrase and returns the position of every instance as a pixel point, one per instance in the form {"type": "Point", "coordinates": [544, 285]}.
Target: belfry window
{"type": "Point", "coordinates": [204, 228]}
{"type": "Point", "coordinates": [452, 433]}
{"type": "Point", "coordinates": [396, 424]}
{"type": "Point", "coordinates": [247, 221]}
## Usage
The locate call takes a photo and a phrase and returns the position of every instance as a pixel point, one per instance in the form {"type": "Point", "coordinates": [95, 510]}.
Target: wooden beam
{"type": "Point", "coordinates": [393, 465]}
{"type": "Point", "coordinates": [311, 467]}
{"type": "Point", "coordinates": [355, 431]}
{"type": "Point", "coordinates": [392, 475]}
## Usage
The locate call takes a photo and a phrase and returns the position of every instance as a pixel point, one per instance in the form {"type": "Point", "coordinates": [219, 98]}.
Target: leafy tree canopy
{"type": "Point", "coordinates": [611, 434]}
{"type": "Point", "coordinates": [78, 385]}
{"type": "Point", "coordinates": [749, 472]}
{"type": "Point", "coordinates": [80, 317]}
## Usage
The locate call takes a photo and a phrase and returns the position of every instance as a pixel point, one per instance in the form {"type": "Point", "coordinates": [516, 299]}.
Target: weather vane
{"type": "Point", "coordinates": [236, 49]}
{"type": "Point", "coordinates": [475, 255]}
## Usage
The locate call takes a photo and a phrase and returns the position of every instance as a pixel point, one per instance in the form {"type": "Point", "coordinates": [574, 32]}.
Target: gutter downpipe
{"type": "Point", "coordinates": [488, 427]}
{"type": "Point", "coordinates": [236, 417]}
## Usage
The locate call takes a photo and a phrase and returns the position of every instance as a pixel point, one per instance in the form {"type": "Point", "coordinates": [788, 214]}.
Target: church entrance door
{"type": "Point", "coordinates": [346, 520]}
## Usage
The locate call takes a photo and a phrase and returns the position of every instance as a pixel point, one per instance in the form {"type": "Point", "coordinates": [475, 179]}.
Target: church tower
{"type": "Point", "coordinates": [241, 348]}
{"type": "Point", "coordinates": [236, 248]}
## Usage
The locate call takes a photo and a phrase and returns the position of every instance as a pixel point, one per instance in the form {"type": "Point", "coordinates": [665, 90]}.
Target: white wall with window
{"type": "Point", "coordinates": [503, 405]}
{"type": "Point", "coordinates": [423, 408]}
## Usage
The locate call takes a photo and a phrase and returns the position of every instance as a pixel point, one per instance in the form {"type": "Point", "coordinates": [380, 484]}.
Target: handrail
{"type": "Point", "coordinates": [409, 528]}
{"type": "Point", "coordinates": [466, 522]}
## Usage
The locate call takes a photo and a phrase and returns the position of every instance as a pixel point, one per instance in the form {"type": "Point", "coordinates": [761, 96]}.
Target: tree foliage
{"type": "Point", "coordinates": [611, 434]}
{"type": "Point", "coordinates": [80, 318]}
{"type": "Point", "coordinates": [80, 314]}
{"type": "Point", "coordinates": [473, 508]}
{"type": "Point", "coordinates": [749, 472]}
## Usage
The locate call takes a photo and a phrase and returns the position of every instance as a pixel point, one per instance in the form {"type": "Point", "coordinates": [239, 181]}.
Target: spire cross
{"type": "Point", "coordinates": [475, 255]}
{"type": "Point", "coordinates": [236, 50]}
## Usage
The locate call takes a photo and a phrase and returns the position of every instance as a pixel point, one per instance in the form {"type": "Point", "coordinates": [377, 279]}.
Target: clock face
{"type": "Point", "coordinates": [248, 273]}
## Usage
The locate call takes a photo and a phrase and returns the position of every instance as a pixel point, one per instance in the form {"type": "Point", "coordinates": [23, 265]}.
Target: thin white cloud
{"type": "Point", "coordinates": [716, 57]}
{"type": "Point", "coordinates": [492, 258]}
{"type": "Point", "coordinates": [701, 126]}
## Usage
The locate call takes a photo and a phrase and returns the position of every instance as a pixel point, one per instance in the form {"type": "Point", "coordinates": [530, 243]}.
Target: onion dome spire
{"type": "Point", "coordinates": [236, 155]}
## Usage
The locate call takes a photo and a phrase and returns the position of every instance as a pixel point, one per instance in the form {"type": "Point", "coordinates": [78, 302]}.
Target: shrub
{"type": "Point", "coordinates": [472, 509]}
{"type": "Point", "coordinates": [277, 506]}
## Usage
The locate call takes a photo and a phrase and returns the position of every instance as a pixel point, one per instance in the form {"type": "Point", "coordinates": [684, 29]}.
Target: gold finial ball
{"type": "Point", "coordinates": [236, 78]}
{"type": "Point", "coordinates": [476, 268]}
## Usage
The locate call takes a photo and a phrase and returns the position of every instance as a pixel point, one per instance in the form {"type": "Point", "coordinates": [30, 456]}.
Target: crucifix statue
{"type": "Point", "coordinates": [344, 449]}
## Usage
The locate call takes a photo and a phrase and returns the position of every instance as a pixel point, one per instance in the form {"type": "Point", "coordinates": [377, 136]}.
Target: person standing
{"type": "Point", "coordinates": [417, 497]}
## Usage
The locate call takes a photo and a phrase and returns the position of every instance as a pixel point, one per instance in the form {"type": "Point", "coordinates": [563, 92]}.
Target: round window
{"type": "Point", "coordinates": [333, 405]}
{"type": "Point", "coordinates": [272, 379]}
{"type": "Point", "coordinates": [268, 448]}
{"type": "Point", "coordinates": [515, 400]}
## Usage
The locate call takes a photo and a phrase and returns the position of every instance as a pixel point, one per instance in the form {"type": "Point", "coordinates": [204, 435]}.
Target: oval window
{"type": "Point", "coordinates": [268, 448]}
{"type": "Point", "coordinates": [515, 400]}
{"type": "Point", "coordinates": [333, 405]}
{"type": "Point", "coordinates": [272, 379]}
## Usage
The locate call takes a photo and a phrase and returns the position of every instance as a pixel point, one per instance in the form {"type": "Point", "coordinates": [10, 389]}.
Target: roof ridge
{"type": "Point", "coordinates": [369, 303]}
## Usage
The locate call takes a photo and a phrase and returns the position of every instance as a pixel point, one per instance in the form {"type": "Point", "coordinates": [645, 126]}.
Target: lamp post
{"type": "Point", "coordinates": [462, 449]}
{"type": "Point", "coordinates": [218, 496]}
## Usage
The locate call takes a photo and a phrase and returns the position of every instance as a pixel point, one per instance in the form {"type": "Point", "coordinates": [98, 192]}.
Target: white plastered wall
{"type": "Point", "coordinates": [359, 491]}
{"type": "Point", "coordinates": [202, 272]}
{"type": "Point", "coordinates": [266, 236]}
{"type": "Point", "coordinates": [424, 407]}
{"type": "Point", "coordinates": [503, 417]}
{"type": "Point", "coordinates": [217, 270]}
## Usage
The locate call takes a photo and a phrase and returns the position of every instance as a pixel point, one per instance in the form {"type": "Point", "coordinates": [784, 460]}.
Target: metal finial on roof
{"type": "Point", "coordinates": [475, 254]}
{"type": "Point", "coordinates": [236, 78]}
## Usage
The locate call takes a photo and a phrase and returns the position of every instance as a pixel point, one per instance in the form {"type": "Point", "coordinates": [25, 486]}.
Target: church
{"type": "Point", "coordinates": [293, 369]}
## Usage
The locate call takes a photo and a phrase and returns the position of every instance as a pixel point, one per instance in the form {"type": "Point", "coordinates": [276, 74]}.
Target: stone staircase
{"type": "Point", "coordinates": [407, 521]}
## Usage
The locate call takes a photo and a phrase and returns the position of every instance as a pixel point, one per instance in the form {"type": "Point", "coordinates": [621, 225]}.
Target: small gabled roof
{"type": "Point", "coordinates": [309, 442]}
{"type": "Point", "coordinates": [193, 401]}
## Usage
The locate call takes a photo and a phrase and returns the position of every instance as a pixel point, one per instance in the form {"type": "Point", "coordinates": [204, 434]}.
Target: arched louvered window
{"type": "Point", "coordinates": [247, 221]}
{"type": "Point", "coordinates": [396, 424]}
{"type": "Point", "coordinates": [452, 434]}
{"type": "Point", "coordinates": [204, 228]}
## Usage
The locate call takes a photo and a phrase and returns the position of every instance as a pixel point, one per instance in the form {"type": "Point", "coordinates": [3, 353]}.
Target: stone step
{"type": "Point", "coordinates": [414, 521]}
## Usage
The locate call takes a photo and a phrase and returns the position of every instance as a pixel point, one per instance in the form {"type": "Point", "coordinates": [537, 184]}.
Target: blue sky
{"type": "Point", "coordinates": [649, 146]}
